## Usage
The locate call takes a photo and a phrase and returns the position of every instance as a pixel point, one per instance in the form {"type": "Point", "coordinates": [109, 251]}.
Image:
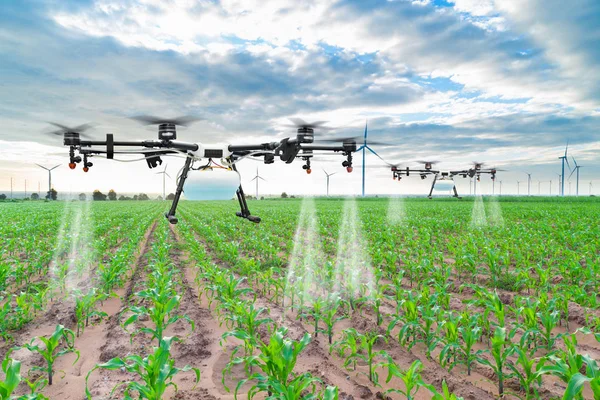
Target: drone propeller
{"type": "Point", "coordinates": [428, 162]}
{"type": "Point", "coordinates": [300, 123]}
{"type": "Point", "coordinates": [66, 129]}
{"type": "Point", "coordinates": [184, 120]}
{"type": "Point", "coordinates": [352, 139]}
{"type": "Point", "coordinates": [477, 164]}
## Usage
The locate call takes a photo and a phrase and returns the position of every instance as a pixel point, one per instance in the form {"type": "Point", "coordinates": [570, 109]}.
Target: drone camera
{"type": "Point", "coordinates": [269, 158]}
{"type": "Point", "coordinates": [167, 131]}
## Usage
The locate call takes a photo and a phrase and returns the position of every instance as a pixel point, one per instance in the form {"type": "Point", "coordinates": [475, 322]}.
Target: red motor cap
{"type": "Point", "coordinates": [85, 169]}
{"type": "Point", "coordinates": [349, 169]}
{"type": "Point", "coordinates": [72, 165]}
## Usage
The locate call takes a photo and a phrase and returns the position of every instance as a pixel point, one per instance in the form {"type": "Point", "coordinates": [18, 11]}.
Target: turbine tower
{"type": "Point", "coordinates": [364, 149]}
{"type": "Point", "coordinates": [590, 188]}
{"type": "Point", "coordinates": [518, 188]}
{"type": "Point", "coordinates": [328, 175]}
{"type": "Point", "coordinates": [576, 169]}
{"type": "Point", "coordinates": [164, 174]}
{"type": "Point", "coordinates": [528, 183]}
{"type": "Point", "coordinates": [49, 178]}
{"type": "Point", "coordinates": [564, 159]}
{"type": "Point", "coordinates": [256, 178]}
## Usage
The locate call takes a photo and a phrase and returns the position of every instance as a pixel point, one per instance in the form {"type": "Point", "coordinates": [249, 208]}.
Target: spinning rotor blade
{"type": "Point", "coordinates": [300, 123]}
{"type": "Point", "coordinates": [80, 129]}
{"type": "Point", "coordinates": [352, 139]}
{"type": "Point", "coordinates": [428, 162]}
{"type": "Point", "coordinates": [183, 120]}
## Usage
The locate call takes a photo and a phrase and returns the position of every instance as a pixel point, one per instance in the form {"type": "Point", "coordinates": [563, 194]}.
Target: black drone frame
{"type": "Point", "coordinates": [476, 171]}
{"type": "Point", "coordinates": [287, 150]}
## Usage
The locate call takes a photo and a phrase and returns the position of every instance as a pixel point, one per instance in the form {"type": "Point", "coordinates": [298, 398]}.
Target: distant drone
{"type": "Point", "coordinates": [287, 150]}
{"type": "Point", "coordinates": [443, 176]}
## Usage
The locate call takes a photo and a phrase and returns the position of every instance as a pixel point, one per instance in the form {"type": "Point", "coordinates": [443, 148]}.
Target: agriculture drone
{"type": "Point", "coordinates": [443, 179]}
{"type": "Point", "coordinates": [82, 148]}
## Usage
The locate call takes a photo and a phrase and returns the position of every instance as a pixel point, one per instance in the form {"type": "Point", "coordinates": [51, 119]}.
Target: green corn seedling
{"type": "Point", "coordinates": [156, 372]}
{"type": "Point", "coordinates": [411, 378]}
{"type": "Point", "coordinates": [50, 351]}
{"type": "Point", "coordinates": [501, 349]}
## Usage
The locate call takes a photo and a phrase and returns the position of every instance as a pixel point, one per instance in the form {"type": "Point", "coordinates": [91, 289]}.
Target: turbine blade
{"type": "Point", "coordinates": [41, 166]}
{"type": "Point", "coordinates": [55, 167]}
{"type": "Point", "coordinates": [262, 178]}
{"type": "Point", "coordinates": [572, 172]}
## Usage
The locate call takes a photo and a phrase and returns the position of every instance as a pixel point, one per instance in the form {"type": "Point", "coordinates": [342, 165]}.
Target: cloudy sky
{"type": "Point", "coordinates": [506, 82]}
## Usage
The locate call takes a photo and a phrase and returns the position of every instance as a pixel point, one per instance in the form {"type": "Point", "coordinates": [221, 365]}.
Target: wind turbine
{"type": "Point", "coordinates": [564, 159]}
{"type": "Point", "coordinates": [364, 149]}
{"type": "Point", "coordinates": [256, 178]}
{"type": "Point", "coordinates": [528, 183]}
{"type": "Point", "coordinates": [590, 188]}
{"type": "Point", "coordinates": [328, 175]}
{"type": "Point", "coordinates": [164, 174]}
{"type": "Point", "coordinates": [518, 188]}
{"type": "Point", "coordinates": [575, 169]}
{"type": "Point", "coordinates": [500, 187]}
{"type": "Point", "coordinates": [49, 178]}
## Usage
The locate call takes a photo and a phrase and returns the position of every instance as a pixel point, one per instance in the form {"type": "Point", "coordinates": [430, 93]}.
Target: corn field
{"type": "Point", "coordinates": [325, 299]}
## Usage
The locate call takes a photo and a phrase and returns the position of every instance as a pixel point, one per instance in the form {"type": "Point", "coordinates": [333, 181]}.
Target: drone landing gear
{"type": "Point", "coordinates": [244, 211]}
{"type": "Point", "coordinates": [432, 186]}
{"type": "Point", "coordinates": [170, 215]}
{"type": "Point", "coordinates": [456, 193]}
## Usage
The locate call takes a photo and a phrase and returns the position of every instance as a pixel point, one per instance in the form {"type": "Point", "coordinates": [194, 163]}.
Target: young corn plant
{"type": "Point", "coordinates": [155, 373]}
{"type": "Point", "coordinates": [566, 364]}
{"type": "Point", "coordinates": [361, 347]}
{"type": "Point", "coordinates": [462, 350]}
{"type": "Point", "coordinates": [51, 349]}
{"type": "Point", "coordinates": [527, 369]}
{"type": "Point", "coordinates": [501, 349]}
{"type": "Point", "coordinates": [444, 394]}
{"type": "Point", "coordinates": [85, 307]}
{"type": "Point", "coordinates": [276, 362]}
{"type": "Point", "coordinates": [577, 381]}
{"type": "Point", "coordinates": [162, 312]}
{"type": "Point", "coordinates": [12, 377]}
{"type": "Point", "coordinates": [411, 378]}
{"type": "Point", "coordinates": [331, 315]}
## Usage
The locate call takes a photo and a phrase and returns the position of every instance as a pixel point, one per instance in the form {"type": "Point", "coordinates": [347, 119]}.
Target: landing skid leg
{"type": "Point", "coordinates": [170, 215]}
{"type": "Point", "coordinates": [432, 186]}
{"type": "Point", "coordinates": [456, 193]}
{"type": "Point", "coordinates": [244, 211]}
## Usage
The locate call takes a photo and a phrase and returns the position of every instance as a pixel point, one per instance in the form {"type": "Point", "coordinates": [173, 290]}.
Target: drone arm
{"type": "Point", "coordinates": [171, 144]}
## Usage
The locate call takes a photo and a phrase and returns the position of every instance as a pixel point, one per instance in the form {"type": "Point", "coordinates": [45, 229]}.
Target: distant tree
{"type": "Point", "coordinates": [262, 197]}
{"type": "Point", "coordinates": [171, 196]}
{"type": "Point", "coordinates": [284, 195]}
{"type": "Point", "coordinates": [52, 195]}
{"type": "Point", "coordinates": [98, 195]}
{"type": "Point", "coordinates": [292, 197]}
{"type": "Point", "coordinates": [82, 197]}
{"type": "Point", "coordinates": [159, 197]}
{"type": "Point", "coordinates": [124, 198]}
{"type": "Point", "coordinates": [112, 195]}
{"type": "Point", "coordinates": [35, 196]}
{"type": "Point", "coordinates": [143, 196]}
{"type": "Point", "coordinates": [2, 196]}
{"type": "Point", "coordinates": [136, 197]}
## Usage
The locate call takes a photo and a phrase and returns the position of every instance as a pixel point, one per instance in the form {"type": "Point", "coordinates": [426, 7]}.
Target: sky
{"type": "Point", "coordinates": [504, 82]}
